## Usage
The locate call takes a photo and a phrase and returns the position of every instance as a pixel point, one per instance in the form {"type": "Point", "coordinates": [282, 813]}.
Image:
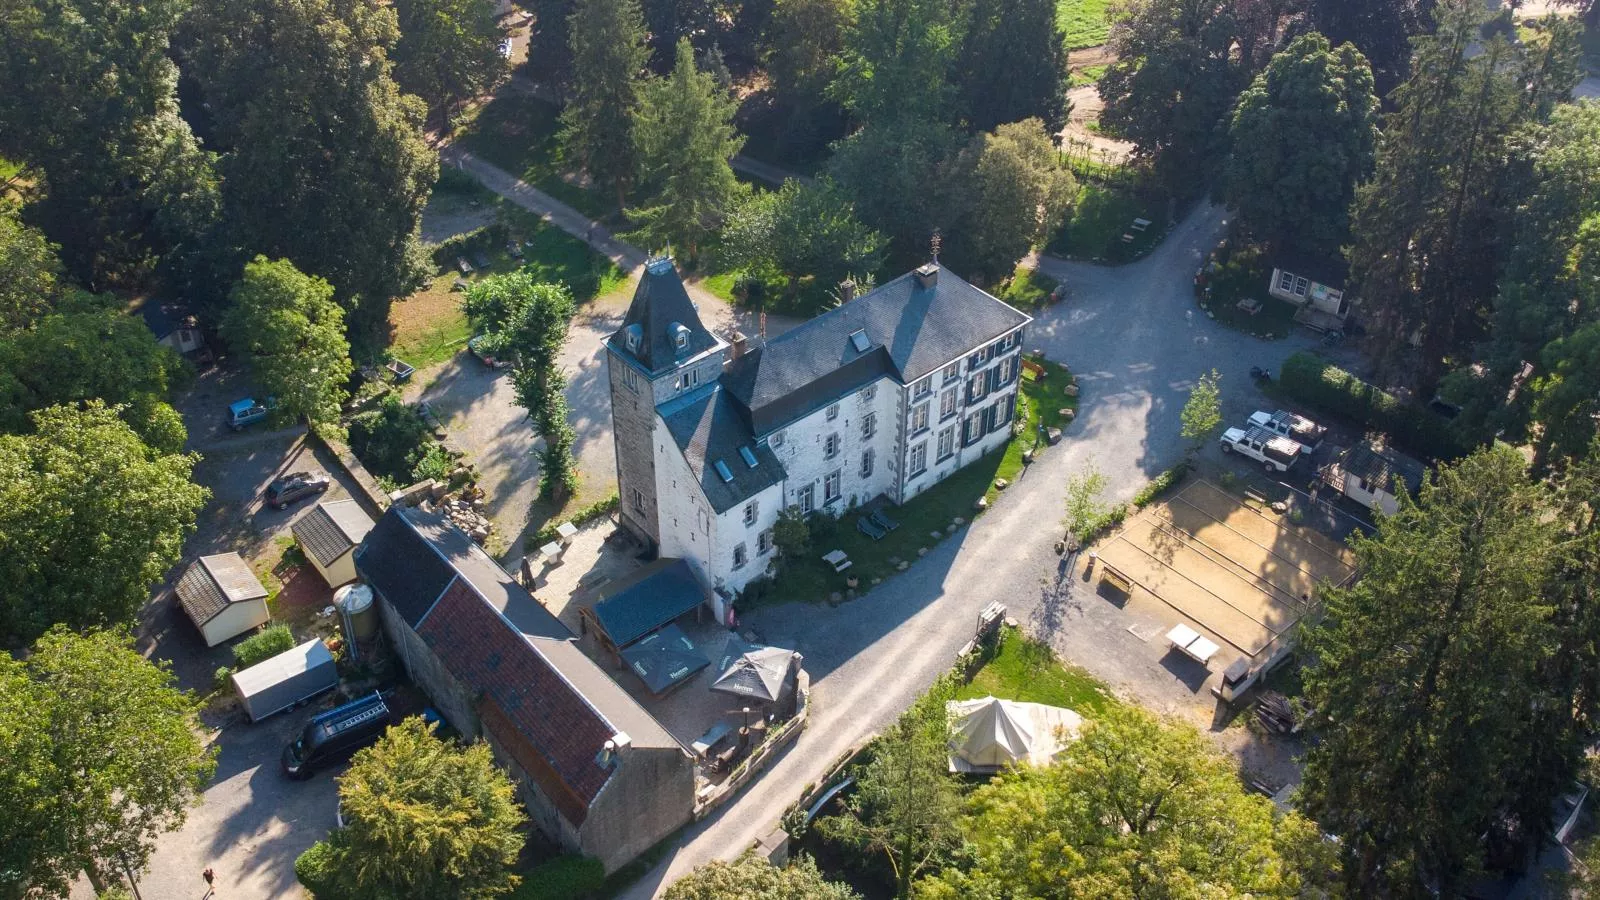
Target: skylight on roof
{"type": "Point", "coordinates": [723, 471]}
{"type": "Point", "coordinates": [748, 455]}
{"type": "Point", "coordinates": [858, 340]}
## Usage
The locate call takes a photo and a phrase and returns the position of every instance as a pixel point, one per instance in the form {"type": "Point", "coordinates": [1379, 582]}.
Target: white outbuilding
{"type": "Point", "coordinates": [329, 535]}
{"type": "Point", "coordinates": [223, 597]}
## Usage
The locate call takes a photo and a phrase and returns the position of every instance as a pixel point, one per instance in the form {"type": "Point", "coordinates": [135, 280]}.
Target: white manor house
{"type": "Point", "coordinates": [884, 396]}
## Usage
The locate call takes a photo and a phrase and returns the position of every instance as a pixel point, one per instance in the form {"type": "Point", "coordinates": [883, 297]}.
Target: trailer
{"type": "Point", "coordinates": [292, 677]}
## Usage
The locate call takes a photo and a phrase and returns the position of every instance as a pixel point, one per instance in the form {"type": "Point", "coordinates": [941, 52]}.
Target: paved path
{"type": "Point", "coordinates": [1127, 332]}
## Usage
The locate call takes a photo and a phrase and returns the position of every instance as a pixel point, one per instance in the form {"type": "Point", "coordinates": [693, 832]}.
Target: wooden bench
{"type": "Point", "coordinates": [1116, 579]}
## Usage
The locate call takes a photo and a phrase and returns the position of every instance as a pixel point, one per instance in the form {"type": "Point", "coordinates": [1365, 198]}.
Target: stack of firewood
{"type": "Point", "coordinates": [1275, 713]}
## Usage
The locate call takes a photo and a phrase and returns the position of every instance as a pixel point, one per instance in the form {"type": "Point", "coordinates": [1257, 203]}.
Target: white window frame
{"type": "Point", "coordinates": [833, 412]}
{"type": "Point", "coordinates": [952, 372]}
{"type": "Point", "coordinates": [832, 487]}
{"type": "Point", "coordinates": [947, 443]}
{"type": "Point", "coordinates": [869, 425]}
{"type": "Point", "coordinates": [764, 542]}
{"type": "Point", "coordinates": [868, 457]}
{"type": "Point", "coordinates": [1301, 285]}
{"type": "Point", "coordinates": [949, 402]}
{"type": "Point", "coordinates": [806, 499]}
{"type": "Point", "coordinates": [1285, 281]}
{"type": "Point", "coordinates": [922, 388]}
{"type": "Point", "coordinates": [868, 393]}
{"type": "Point", "coordinates": [919, 419]}
{"type": "Point", "coordinates": [638, 500]}
{"type": "Point", "coordinates": [776, 440]}
{"type": "Point", "coordinates": [917, 460]}
{"type": "Point", "coordinates": [830, 446]}
{"type": "Point", "coordinates": [741, 555]}
{"type": "Point", "coordinates": [751, 510]}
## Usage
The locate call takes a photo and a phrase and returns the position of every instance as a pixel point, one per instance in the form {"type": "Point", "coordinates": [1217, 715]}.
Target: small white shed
{"type": "Point", "coordinates": [223, 597]}
{"type": "Point", "coordinates": [329, 535]}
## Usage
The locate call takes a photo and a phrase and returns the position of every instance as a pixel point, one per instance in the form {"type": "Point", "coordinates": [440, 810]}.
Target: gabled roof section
{"type": "Point", "coordinates": [403, 559]}
{"type": "Point", "coordinates": [211, 583]}
{"type": "Point", "coordinates": [908, 329]}
{"type": "Point", "coordinates": [1380, 465]}
{"type": "Point", "coordinates": [1329, 270]}
{"type": "Point", "coordinates": [332, 529]}
{"type": "Point", "coordinates": [708, 426]}
{"type": "Point", "coordinates": [660, 314]}
{"type": "Point", "coordinates": [647, 599]}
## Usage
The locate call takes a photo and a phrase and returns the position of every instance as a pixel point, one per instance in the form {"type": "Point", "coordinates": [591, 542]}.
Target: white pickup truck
{"type": "Point", "coordinates": [1274, 451]}
{"type": "Point", "coordinates": [1299, 429]}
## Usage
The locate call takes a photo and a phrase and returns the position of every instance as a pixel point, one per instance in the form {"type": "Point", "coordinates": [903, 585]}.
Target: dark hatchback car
{"type": "Point", "coordinates": [334, 736]}
{"type": "Point", "coordinates": [294, 486]}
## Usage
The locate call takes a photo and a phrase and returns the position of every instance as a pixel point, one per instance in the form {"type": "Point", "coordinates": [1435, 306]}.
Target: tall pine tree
{"type": "Point", "coordinates": [608, 61]}
{"type": "Point", "coordinates": [686, 137]}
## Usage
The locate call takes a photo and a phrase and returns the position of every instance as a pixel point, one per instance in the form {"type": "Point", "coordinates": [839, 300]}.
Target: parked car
{"type": "Point", "coordinates": [244, 413]}
{"type": "Point", "coordinates": [1299, 429]}
{"type": "Point", "coordinates": [1274, 451]}
{"type": "Point", "coordinates": [482, 348]}
{"type": "Point", "coordinates": [334, 736]}
{"type": "Point", "coordinates": [294, 486]}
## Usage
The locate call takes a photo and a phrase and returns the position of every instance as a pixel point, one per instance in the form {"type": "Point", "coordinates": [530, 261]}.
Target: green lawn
{"type": "Point", "coordinates": [811, 579]}
{"type": "Point", "coordinates": [1087, 75]}
{"type": "Point", "coordinates": [1026, 670]}
{"type": "Point", "coordinates": [1084, 21]}
{"type": "Point", "coordinates": [810, 298]}
{"type": "Point", "coordinates": [1102, 215]}
{"type": "Point", "coordinates": [554, 255]}
{"type": "Point", "coordinates": [1027, 289]}
{"type": "Point", "coordinates": [518, 133]}
{"type": "Point", "coordinates": [1245, 275]}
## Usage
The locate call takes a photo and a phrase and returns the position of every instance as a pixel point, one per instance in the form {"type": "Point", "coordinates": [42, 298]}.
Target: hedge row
{"type": "Point", "coordinates": [263, 645]}
{"type": "Point", "coordinates": [562, 878]}
{"type": "Point", "coordinates": [484, 239]}
{"type": "Point", "coordinates": [1312, 380]}
{"type": "Point", "coordinates": [582, 517]}
{"type": "Point", "coordinates": [1159, 485]}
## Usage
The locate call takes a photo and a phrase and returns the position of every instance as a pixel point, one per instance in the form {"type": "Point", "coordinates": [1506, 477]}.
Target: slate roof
{"type": "Point", "coordinates": [708, 425]}
{"type": "Point", "coordinates": [1379, 466]}
{"type": "Point", "coordinates": [659, 302]}
{"type": "Point", "coordinates": [652, 596]}
{"type": "Point", "coordinates": [912, 330]}
{"type": "Point", "coordinates": [211, 583]}
{"type": "Point", "coordinates": [1332, 271]}
{"type": "Point", "coordinates": [551, 706]}
{"type": "Point", "coordinates": [330, 530]}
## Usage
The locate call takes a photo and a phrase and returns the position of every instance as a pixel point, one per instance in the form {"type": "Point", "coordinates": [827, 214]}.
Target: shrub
{"type": "Point", "coordinates": [1312, 380]}
{"type": "Point", "coordinates": [1159, 485]}
{"type": "Point", "coordinates": [562, 878]}
{"type": "Point", "coordinates": [434, 462]}
{"type": "Point", "coordinates": [314, 869]}
{"type": "Point", "coordinates": [483, 239]}
{"type": "Point", "coordinates": [584, 516]}
{"type": "Point", "coordinates": [219, 678]}
{"type": "Point", "coordinates": [453, 180]}
{"type": "Point", "coordinates": [792, 534]}
{"type": "Point", "coordinates": [263, 645]}
{"type": "Point", "coordinates": [390, 440]}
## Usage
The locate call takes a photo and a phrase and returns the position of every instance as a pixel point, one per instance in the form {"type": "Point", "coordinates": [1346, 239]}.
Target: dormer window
{"type": "Point", "coordinates": [631, 336]}
{"type": "Point", "coordinates": [680, 336]}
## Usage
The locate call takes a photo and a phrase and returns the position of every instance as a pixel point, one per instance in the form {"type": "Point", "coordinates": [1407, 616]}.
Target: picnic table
{"type": "Point", "coordinates": [838, 559]}
{"type": "Point", "coordinates": [711, 738]}
{"type": "Point", "coordinates": [1250, 305]}
{"type": "Point", "coordinates": [552, 553]}
{"type": "Point", "coordinates": [1189, 642]}
{"type": "Point", "coordinates": [567, 532]}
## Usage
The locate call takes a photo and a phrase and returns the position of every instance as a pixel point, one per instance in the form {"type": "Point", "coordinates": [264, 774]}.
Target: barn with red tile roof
{"type": "Point", "coordinates": [598, 773]}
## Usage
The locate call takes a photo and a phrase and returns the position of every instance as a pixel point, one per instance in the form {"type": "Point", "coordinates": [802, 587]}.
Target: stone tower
{"type": "Point", "coordinates": [661, 351]}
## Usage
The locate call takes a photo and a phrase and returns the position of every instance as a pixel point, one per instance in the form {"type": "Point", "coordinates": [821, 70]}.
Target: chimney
{"type": "Point", "coordinates": [847, 290]}
{"type": "Point", "coordinates": [927, 275]}
{"type": "Point", "coordinates": [738, 345]}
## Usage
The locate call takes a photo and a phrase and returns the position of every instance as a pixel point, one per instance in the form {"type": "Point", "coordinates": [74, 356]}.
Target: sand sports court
{"type": "Point", "coordinates": [1244, 574]}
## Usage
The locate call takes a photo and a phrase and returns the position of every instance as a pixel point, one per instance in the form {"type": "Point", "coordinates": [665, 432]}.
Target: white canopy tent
{"type": "Point", "coordinates": [989, 734]}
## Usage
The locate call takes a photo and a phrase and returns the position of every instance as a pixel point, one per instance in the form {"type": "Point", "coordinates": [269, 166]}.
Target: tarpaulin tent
{"type": "Point", "coordinates": [989, 734]}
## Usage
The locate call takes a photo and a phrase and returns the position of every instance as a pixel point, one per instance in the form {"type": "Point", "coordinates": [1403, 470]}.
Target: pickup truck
{"type": "Point", "coordinates": [1274, 451]}
{"type": "Point", "coordinates": [1299, 429]}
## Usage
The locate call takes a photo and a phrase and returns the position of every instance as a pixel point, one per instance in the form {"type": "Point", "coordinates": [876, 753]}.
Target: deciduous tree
{"type": "Point", "coordinates": [1007, 192]}
{"type": "Point", "coordinates": [425, 818]}
{"type": "Point", "coordinates": [802, 42]}
{"type": "Point", "coordinates": [90, 518]}
{"type": "Point", "coordinates": [448, 52]}
{"type": "Point", "coordinates": [1202, 412]}
{"type": "Point", "coordinates": [325, 162]}
{"type": "Point", "coordinates": [608, 61]}
{"type": "Point", "coordinates": [892, 173]}
{"type": "Point", "coordinates": [897, 61]}
{"type": "Point", "coordinates": [30, 273]}
{"type": "Point", "coordinates": [1011, 65]}
{"type": "Point", "coordinates": [753, 878]}
{"type": "Point", "coordinates": [1174, 80]}
{"type": "Point", "coordinates": [905, 804]}
{"type": "Point", "coordinates": [102, 756]}
{"type": "Point", "coordinates": [290, 334]}
{"type": "Point", "coordinates": [1302, 136]}
{"type": "Point", "coordinates": [1134, 807]}
{"type": "Point", "coordinates": [1382, 29]}
{"type": "Point", "coordinates": [1086, 504]}
{"type": "Point", "coordinates": [686, 137]}
{"type": "Point", "coordinates": [1429, 677]}
{"type": "Point", "coordinates": [801, 230]}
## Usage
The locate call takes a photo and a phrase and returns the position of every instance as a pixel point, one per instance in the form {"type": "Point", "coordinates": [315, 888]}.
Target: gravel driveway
{"type": "Point", "coordinates": [1128, 334]}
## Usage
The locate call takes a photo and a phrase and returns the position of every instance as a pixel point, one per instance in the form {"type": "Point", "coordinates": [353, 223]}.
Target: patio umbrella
{"type": "Point", "coordinates": [759, 673]}
{"type": "Point", "coordinates": [664, 659]}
